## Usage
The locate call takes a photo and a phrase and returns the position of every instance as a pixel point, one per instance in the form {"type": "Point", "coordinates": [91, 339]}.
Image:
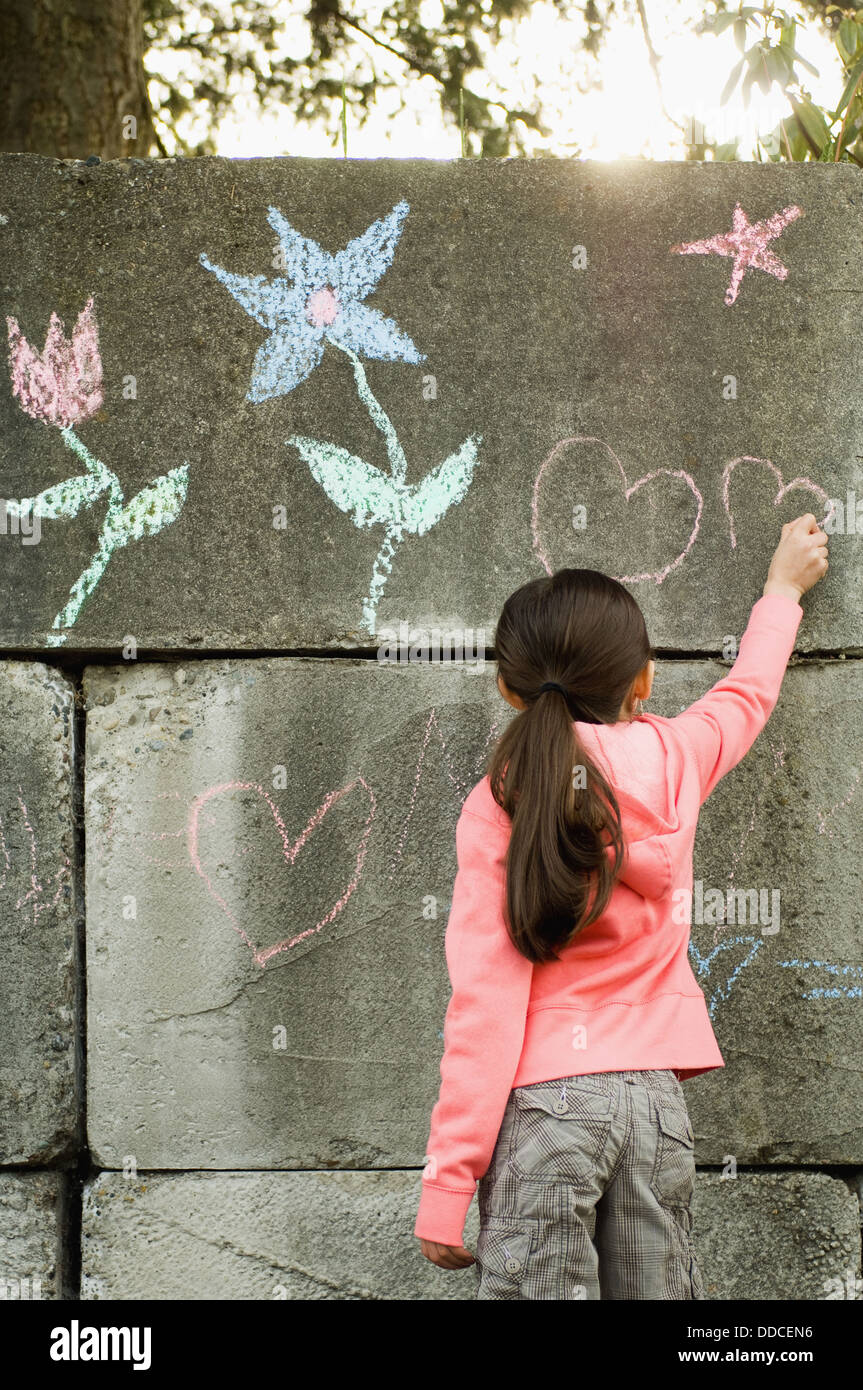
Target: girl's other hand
{"type": "Point", "coordinates": [446, 1256]}
{"type": "Point", "coordinates": [800, 558]}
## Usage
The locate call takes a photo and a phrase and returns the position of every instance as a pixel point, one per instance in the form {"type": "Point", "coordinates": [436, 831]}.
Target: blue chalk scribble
{"type": "Point", "coordinates": [704, 964]}
{"type": "Point", "coordinates": [821, 992]}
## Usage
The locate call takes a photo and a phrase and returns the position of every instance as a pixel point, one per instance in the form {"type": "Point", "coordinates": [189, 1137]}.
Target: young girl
{"type": "Point", "coordinates": [575, 1013]}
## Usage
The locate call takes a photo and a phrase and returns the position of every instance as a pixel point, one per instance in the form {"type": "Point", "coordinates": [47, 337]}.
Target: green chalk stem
{"type": "Point", "coordinates": [395, 452]}
{"type": "Point", "coordinates": [372, 499]}
{"type": "Point", "coordinates": [150, 510]}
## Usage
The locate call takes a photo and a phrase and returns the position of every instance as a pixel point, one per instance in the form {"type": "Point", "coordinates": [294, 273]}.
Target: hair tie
{"type": "Point", "coordinates": [553, 685]}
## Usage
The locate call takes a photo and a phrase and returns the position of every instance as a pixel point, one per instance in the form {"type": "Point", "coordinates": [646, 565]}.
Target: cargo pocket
{"type": "Point", "coordinates": [560, 1130]}
{"type": "Point", "coordinates": [502, 1251]}
{"type": "Point", "coordinates": [685, 1276]}
{"type": "Point", "coordinates": [674, 1167]}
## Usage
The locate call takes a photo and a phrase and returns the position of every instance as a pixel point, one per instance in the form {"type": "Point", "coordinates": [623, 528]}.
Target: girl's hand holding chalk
{"type": "Point", "coordinates": [800, 558]}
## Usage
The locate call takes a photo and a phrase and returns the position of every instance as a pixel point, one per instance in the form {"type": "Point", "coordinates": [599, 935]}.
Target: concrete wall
{"type": "Point", "coordinates": [228, 825]}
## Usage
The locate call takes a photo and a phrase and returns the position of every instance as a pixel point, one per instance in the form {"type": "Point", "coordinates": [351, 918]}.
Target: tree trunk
{"type": "Point", "coordinates": [73, 79]}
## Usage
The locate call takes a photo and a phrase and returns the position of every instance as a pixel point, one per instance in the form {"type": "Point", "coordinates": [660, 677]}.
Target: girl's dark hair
{"type": "Point", "coordinates": [584, 630]}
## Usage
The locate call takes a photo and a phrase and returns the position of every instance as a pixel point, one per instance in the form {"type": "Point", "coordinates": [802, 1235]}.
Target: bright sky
{"type": "Point", "coordinates": [607, 108]}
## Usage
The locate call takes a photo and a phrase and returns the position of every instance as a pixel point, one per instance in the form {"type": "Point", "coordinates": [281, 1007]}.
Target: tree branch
{"type": "Point", "coordinates": [654, 63]}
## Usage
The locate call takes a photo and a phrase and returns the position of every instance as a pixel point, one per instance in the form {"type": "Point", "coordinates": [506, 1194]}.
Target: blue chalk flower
{"type": "Point", "coordinates": [324, 301]}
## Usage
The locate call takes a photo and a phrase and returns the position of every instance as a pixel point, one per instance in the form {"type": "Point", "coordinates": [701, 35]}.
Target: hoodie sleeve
{"type": "Point", "coordinates": [483, 1031]}
{"type": "Point", "coordinates": [722, 726]}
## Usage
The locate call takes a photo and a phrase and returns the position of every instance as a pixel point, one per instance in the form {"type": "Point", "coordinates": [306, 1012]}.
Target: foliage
{"type": "Point", "coordinates": [771, 58]}
{"type": "Point", "coordinates": [238, 48]}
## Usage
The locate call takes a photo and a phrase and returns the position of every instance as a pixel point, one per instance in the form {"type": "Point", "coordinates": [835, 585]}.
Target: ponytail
{"type": "Point", "coordinates": [586, 628]}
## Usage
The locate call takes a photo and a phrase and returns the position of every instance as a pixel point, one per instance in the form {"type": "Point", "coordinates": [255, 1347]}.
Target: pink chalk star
{"type": "Point", "coordinates": [747, 243]}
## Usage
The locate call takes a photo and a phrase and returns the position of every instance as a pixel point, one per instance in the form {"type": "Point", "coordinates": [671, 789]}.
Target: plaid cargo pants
{"type": "Point", "coordinates": [588, 1192]}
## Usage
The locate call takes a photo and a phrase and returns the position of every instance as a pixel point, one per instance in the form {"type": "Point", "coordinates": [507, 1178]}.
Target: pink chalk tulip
{"type": "Point", "coordinates": [63, 384]}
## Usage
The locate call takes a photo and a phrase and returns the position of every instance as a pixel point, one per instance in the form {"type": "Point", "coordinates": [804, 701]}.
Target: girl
{"type": "Point", "coordinates": [575, 1013]}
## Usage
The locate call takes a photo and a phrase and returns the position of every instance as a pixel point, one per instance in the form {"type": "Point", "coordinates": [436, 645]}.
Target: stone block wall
{"type": "Point", "coordinates": [267, 423]}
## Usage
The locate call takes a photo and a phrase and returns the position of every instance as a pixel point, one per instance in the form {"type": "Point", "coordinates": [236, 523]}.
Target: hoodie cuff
{"type": "Point", "coordinates": [442, 1213]}
{"type": "Point", "coordinates": [783, 600]}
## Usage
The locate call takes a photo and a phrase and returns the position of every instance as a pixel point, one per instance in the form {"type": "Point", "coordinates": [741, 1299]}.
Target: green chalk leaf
{"type": "Point", "coordinates": [354, 485]}
{"type": "Point", "coordinates": [63, 499]}
{"type": "Point", "coordinates": [151, 509]}
{"type": "Point", "coordinates": [446, 484]}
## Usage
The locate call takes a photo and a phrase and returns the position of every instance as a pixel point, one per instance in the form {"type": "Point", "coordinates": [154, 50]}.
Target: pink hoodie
{"type": "Point", "coordinates": [623, 995]}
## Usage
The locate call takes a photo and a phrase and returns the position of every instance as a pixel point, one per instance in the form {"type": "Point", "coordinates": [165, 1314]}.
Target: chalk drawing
{"type": "Point", "coordinates": [324, 304]}
{"type": "Point", "coordinates": [822, 815]}
{"type": "Point", "coordinates": [747, 243]}
{"type": "Point", "coordinates": [705, 965]}
{"type": "Point", "coordinates": [629, 490]}
{"type": "Point", "coordinates": [462, 783]}
{"type": "Point", "coordinates": [261, 955]}
{"type": "Point", "coordinates": [855, 972]}
{"type": "Point", "coordinates": [62, 386]}
{"type": "Point", "coordinates": [782, 491]}
{"type": "Point", "coordinates": [35, 896]}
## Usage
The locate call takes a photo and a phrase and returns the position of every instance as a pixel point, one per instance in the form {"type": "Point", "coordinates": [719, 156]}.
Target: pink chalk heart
{"type": "Point", "coordinates": [290, 850]}
{"type": "Point", "coordinates": [630, 489]}
{"type": "Point", "coordinates": [782, 491]}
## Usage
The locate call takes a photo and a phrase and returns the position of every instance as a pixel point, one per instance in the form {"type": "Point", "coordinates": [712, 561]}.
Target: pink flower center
{"type": "Point", "coordinates": [322, 307]}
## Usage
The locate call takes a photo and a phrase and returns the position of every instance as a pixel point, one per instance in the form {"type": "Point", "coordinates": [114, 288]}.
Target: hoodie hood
{"type": "Point", "coordinates": [653, 835]}
{"type": "Point", "coordinates": [655, 840]}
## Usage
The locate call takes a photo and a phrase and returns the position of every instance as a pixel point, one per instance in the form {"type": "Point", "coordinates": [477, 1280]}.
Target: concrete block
{"type": "Point", "coordinates": [267, 841]}
{"type": "Point", "coordinates": [264, 969]}
{"type": "Point", "coordinates": [780, 1236]}
{"type": "Point", "coordinates": [38, 879]}
{"type": "Point", "coordinates": [237, 1236]}
{"type": "Point", "coordinates": [33, 1217]}
{"type": "Point", "coordinates": [541, 336]}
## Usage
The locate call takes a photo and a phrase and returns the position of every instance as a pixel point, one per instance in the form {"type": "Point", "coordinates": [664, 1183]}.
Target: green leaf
{"type": "Point", "coordinates": [740, 33]}
{"type": "Point", "coordinates": [441, 488]}
{"type": "Point", "coordinates": [846, 38]}
{"type": "Point", "coordinates": [354, 485]}
{"type": "Point", "coordinates": [799, 144]}
{"type": "Point", "coordinates": [853, 79]}
{"type": "Point", "coordinates": [804, 62]}
{"type": "Point", "coordinates": [63, 499]}
{"type": "Point", "coordinates": [732, 81]}
{"type": "Point", "coordinates": [747, 87]}
{"type": "Point", "coordinates": [150, 510]}
{"type": "Point", "coordinates": [786, 35]}
{"type": "Point", "coordinates": [779, 66]}
{"type": "Point", "coordinates": [812, 124]}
